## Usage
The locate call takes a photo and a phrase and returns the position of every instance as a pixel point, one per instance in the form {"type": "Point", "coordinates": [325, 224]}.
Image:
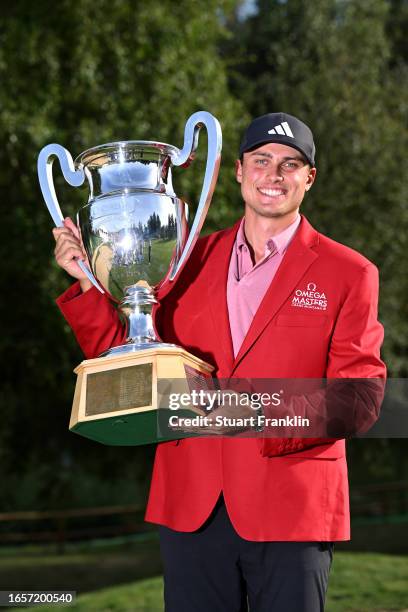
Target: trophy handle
{"type": "Point", "coordinates": [184, 158]}
{"type": "Point", "coordinates": [72, 176]}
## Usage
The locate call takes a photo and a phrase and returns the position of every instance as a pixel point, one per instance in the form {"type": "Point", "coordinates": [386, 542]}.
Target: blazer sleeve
{"type": "Point", "coordinates": [354, 352]}
{"type": "Point", "coordinates": [93, 319]}
{"type": "Point", "coordinates": [358, 335]}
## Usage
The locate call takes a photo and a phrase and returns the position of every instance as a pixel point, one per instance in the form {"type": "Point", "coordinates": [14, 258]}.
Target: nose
{"type": "Point", "coordinates": [274, 173]}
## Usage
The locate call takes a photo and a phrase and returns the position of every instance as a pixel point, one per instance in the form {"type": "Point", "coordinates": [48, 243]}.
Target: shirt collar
{"type": "Point", "coordinates": [280, 241]}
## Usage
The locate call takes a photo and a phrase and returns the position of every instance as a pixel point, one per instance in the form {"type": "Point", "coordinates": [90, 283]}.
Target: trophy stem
{"type": "Point", "coordinates": [136, 306]}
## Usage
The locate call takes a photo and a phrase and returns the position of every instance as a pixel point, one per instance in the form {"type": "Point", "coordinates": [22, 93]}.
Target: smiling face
{"type": "Point", "coordinates": [274, 178]}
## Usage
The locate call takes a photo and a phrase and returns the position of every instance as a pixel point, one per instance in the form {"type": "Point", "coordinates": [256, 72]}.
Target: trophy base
{"type": "Point", "coordinates": [116, 397]}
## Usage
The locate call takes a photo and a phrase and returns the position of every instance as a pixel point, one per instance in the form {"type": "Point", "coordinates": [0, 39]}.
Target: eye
{"type": "Point", "coordinates": [291, 165]}
{"type": "Point", "coordinates": [261, 161]}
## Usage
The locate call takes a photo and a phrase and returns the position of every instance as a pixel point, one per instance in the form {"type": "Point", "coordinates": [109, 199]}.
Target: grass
{"type": "Point", "coordinates": [359, 582]}
{"type": "Point", "coordinates": [142, 596]}
{"type": "Point", "coordinates": [368, 582]}
{"type": "Point", "coordinates": [82, 568]}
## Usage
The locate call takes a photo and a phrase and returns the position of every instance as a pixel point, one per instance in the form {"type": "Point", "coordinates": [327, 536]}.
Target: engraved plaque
{"type": "Point", "coordinates": [197, 380]}
{"type": "Point", "coordinates": [119, 389]}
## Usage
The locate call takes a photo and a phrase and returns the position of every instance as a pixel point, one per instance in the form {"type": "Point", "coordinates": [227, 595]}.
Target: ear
{"type": "Point", "coordinates": [238, 171]}
{"type": "Point", "coordinates": [310, 178]}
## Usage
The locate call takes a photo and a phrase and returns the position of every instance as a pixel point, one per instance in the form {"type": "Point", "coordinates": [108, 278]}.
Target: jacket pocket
{"type": "Point", "coordinates": [319, 450]}
{"type": "Point", "coordinates": [295, 320]}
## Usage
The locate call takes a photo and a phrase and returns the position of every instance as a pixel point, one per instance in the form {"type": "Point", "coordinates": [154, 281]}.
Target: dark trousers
{"type": "Point", "coordinates": [215, 570]}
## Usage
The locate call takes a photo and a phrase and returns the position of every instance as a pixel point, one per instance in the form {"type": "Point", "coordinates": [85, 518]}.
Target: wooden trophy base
{"type": "Point", "coordinates": [116, 397]}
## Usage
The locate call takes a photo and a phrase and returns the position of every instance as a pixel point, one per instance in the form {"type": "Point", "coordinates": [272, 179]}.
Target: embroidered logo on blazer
{"type": "Point", "coordinates": [310, 297]}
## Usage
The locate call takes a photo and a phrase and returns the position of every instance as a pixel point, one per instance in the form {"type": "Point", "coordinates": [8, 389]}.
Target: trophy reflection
{"type": "Point", "coordinates": [135, 233]}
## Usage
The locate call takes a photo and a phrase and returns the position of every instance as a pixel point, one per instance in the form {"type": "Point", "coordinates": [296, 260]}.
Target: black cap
{"type": "Point", "coordinates": [283, 129]}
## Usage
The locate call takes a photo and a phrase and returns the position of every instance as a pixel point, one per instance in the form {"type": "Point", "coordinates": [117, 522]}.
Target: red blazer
{"type": "Point", "coordinates": [274, 489]}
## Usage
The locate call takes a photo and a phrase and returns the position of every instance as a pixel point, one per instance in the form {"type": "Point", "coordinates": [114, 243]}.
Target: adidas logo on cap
{"type": "Point", "coordinates": [283, 129]}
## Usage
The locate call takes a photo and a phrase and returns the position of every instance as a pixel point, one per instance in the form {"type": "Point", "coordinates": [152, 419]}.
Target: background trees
{"type": "Point", "coordinates": [84, 73]}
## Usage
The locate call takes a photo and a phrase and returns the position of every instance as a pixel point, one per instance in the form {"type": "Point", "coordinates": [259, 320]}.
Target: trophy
{"type": "Point", "coordinates": [135, 233]}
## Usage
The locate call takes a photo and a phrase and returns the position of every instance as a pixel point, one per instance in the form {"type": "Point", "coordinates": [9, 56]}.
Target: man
{"type": "Point", "coordinates": [252, 521]}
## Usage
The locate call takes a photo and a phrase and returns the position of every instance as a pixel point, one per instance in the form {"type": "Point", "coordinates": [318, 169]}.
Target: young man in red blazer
{"type": "Point", "coordinates": [252, 521]}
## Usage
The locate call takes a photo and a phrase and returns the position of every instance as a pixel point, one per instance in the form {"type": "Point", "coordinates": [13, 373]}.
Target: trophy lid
{"type": "Point", "coordinates": [124, 151]}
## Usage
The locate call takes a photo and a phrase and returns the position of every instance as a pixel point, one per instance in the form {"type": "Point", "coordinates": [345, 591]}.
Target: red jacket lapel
{"type": "Point", "coordinates": [297, 260]}
{"type": "Point", "coordinates": [217, 297]}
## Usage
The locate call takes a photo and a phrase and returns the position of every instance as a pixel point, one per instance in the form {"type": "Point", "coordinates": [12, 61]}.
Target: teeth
{"type": "Point", "coordinates": [272, 192]}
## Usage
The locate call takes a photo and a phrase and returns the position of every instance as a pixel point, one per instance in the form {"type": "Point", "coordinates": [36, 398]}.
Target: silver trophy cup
{"type": "Point", "coordinates": [134, 227]}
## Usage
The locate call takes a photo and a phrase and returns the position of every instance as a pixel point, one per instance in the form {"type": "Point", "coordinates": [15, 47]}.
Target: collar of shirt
{"type": "Point", "coordinates": [278, 244]}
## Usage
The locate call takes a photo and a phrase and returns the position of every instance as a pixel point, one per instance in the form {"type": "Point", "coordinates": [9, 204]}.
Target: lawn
{"type": "Point", "coordinates": [359, 582]}
{"type": "Point", "coordinates": [368, 582]}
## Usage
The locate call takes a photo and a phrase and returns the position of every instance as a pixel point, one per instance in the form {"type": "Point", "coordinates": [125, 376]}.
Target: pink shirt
{"type": "Point", "coordinates": [247, 284]}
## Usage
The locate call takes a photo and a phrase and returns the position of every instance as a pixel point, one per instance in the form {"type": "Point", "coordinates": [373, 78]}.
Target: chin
{"type": "Point", "coordinates": [275, 213]}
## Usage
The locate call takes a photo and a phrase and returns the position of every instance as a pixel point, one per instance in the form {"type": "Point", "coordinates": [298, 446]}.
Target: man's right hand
{"type": "Point", "coordinates": [68, 250]}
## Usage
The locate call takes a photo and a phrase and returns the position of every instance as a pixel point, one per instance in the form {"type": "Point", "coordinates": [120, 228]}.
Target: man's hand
{"type": "Point", "coordinates": [227, 419]}
{"type": "Point", "coordinates": [68, 249]}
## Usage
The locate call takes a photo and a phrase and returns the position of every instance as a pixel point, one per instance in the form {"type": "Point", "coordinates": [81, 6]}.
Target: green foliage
{"type": "Point", "coordinates": [376, 461]}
